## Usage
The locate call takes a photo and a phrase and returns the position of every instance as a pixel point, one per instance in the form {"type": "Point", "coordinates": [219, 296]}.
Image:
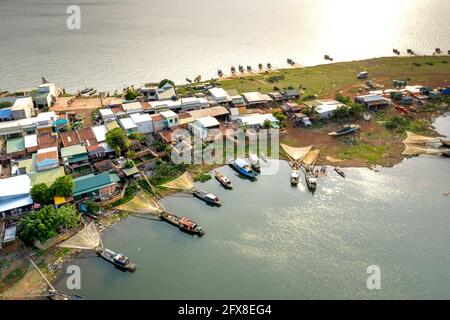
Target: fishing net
{"type": "Point", "coordinates": [416, 149]}
{"type": "Point", "coordinates": [296, 153]}
{"type": "Point", "coordinates": [311, 157]}
{"type": "Point", "coordinates": [142, 203]}
{"type": "Point", "coordinates": [87, 238]}
{"type": "Point", "coordinates": [32, 285]}
{"type": "Point", "coordinates": [183, 182]}
{"type": "Point", "coordinates": [418, 139]}
{"type": "Point", "coordinates": [333, 159]}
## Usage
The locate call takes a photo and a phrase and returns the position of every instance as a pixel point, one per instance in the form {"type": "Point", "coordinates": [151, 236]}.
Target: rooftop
{"type": "Point", "coordinates": [208, 122]}
{"type": "Point", "coordinates": [209, 112]}
{"type": "Point", "coordinates": [168, 114]}
{"type": "Point", "coordinates": [127, 124]}
{"type": "Point", "coordinates": [14, 187]}
{"type": "Point", "coordinates": [100, 132]}
{"type": "Point", "coordinates": [140, 117]}
{"type": "Point", "coordinates": [15, 145]}
{"type": "Point", "coordinates": [91, 182]}
{"type": "Point", "coordinates": [47, 176]}
{"type": "Point", "coordinates": [73, 151]}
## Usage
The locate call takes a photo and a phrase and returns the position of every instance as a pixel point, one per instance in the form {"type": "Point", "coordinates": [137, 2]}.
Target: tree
{"type": "Point", "coordinates": [164, 81]}
{"type": "Point", "coordinates": [267, 124]}
{"type": "Point", "coordinates": [280, 116]}
{"type": "Point", "coordinates": [41, 193]}
{"type": "Point", "coordinates": [139, 136]}
{"type": "Point", "coordinates": [5, 104]}
{"type": "Point", "coordinates": [131, 94]}
{"type": "Point", "coordinates": [63, 186]}
{"type": "Point", "coordinates": [129, 164]}
{"type": "Point", "coordinates": [341, 112]}
{"type": "Point", "coordinates": [117, 139]}
{"type": "Point", "coordinates": [47, 223]}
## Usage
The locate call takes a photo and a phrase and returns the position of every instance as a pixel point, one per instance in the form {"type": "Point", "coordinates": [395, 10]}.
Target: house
{"type": "Point", "coordinates": [254, 98]}
{"type": "Point", "coordinates": [292, 94]}
{"type": "Point", "coordinates": [300, 120]}
{"type": "Point", "coordinates": [204, 127]}
{"type": "Point", "coordinates": [100, 132]}
{"type": "Point", "coordinates": [325, 107]}
{"type": "Point", "coordinates": [406, 100]}
{"type": "Point", "coordinates": [107, 114]}
{"type": "Point", "coordinates": [184, 118]}
{"type": "Point", "coordinates": [47, 139]}
{"type": "Point", "coordinates": [74, 154]}
{"type": "Point", "coordinates": [290, 108]}
{"type": "Point", "coordinates": [5, 114]}
{"type": "Point", "coordinates": [192, 103]}
{"type": "Point", "coordinates": [101, 186]}
{"type": "Point", "coordinates": [47, 177]}
{"type": "Point", "coordinates": [86, 136]}
{"type": "Point", "coordinates": [16, 148]}
{"type": "Point", "coordinates": [219, 95]}
{"type": "Point", "coordinates": [373, 101]}
{"type": "Point", "coordinates": [256, 121]}
{"type": "Point", "coordinates": [15, 195]}
{"type": "Point", "coordinates": [276, 96]}
{"type": "Point", "coordinates": [31, 144]}
{"type": "Point", "coordinates": [132, 172]}
{"type": "Point", "coordinates": [96, 152]}
{"type": "Point", "coordinates": [69, 138]}
{"type": "Point", "coordinates": [47, 158]}
{"type": "Point", "coordinates": [218, 112]}
{"type": "Point", "coordinates": [128, 125]}
{"type": "Point", "coordinates": [22, 108]}
{"type": "Point", "coordinates": [133, 107]}
{"type": "Point", "coordinates": [166, 92]}
{"type": "Point", "coordinates": [237, 101]}
{"type": "Point", "coordinates": [45, 96]}
{"type": "Point", "coordinates": [170, 119]}
{"type": "Point", "coordinates": [143, 121]}
{"type": "Point", "coordinates": [112, 125]}
{"type": "Point", "coordinates": [158, 122]}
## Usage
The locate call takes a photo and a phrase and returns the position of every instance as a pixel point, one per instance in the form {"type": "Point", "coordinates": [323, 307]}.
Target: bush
{"type": "Point", "coordinates": [129, 164]}
{"type": "Point", "coordinates": [117, 139]}
{"type": "Point", "coordinates": [274, 79]}
{"type": "Point", "coordinates": [202, 177]}
{"type": "Point", "coordinates": [92, 207]}
{"type": "Point", "coordinates": [164, 81]}
{"type": "Point", "coordinates": [62, 187]}
{"type": "Point", "coordinates": [47, 223]}
{"type": "Point", "coordinates": [131, 94]}
{"type": "Point", "coordinates": [41, 194]}
{"type": "Point", "coordinates": [137, 136]}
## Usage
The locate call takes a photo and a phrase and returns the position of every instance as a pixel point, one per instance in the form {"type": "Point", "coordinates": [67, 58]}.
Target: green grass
{"type": "Point", "coordinates": [14, 276]}
{"type": "Point", "coordinates": [363, 151]}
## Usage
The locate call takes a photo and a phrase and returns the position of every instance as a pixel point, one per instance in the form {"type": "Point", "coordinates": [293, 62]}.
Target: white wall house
{"type": "Point", "coordinates": [143, 122]}
{"type": "Point", "coordinates": [219, 95]}
{"type": "Point", "coordinates": [171, 119]}
{"type": "Point", "coordinates": [22, 108]}
{"type": "Point", "coordinates": [128, 125]}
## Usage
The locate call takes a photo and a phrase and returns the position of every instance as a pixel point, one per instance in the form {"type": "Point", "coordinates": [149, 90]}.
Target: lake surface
{"type": "Point", "coordinates": [136, 41]}
{"type": "Point", "coordinates": [273, 241]}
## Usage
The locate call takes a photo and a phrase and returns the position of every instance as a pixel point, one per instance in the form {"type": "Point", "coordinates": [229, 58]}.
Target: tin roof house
{"type": "Point", "coordinates": [143, 121]}
{"type": "Point", "coordinates": [101, 186]}
{"type": "Point", "coordinates": [15, 194]}
{"type": "Point", "coordinates": [47, 158]}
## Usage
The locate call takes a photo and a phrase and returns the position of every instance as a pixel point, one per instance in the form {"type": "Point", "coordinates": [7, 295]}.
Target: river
{"type": "Point", "coordinates": [273, 241]}
{"type": "Point", "coordinates": [137, 41]}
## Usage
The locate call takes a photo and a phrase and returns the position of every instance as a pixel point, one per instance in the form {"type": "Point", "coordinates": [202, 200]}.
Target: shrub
{"type": "Point", "coordinates": [202, 177]}
{"type": "Point", "coordinates": [129, 164]}
{"type": "Point", "coordinates": [117, 139]}
{"type": "Point", "coordinates": [131, 94]}
{"type": "Point", "coordinates": [42, 194]}
{"type": "Point", "coordinates": [63, 186]}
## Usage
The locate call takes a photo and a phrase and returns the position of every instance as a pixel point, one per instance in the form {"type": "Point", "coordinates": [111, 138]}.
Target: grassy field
{"type": "Point", "coordinates": [325, 80]}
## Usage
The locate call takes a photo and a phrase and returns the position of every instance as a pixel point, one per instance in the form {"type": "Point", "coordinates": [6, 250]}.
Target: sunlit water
{"type": "Point", "coordinates": [273, 241]}
{"type": "Point", "coordinates": [136, 41]}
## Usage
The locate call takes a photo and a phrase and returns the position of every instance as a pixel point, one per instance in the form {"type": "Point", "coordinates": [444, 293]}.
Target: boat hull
{"type": "Point", "coordinates": [131, 267]}
{"type": "Point", "coordinates": [445, 143]}
{"type": "Point", "coordinates": [248, 174]}
{"type": "Point", "coordinates": [202, 196]}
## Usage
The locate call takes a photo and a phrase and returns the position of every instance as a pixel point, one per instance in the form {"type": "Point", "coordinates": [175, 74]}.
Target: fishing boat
{"type": "Point", "coordinates": [223, 180]}
{"type": "Point", "coordinates": [345, 130]}
{"type": "Point", "coordinates": [254, 162]}
{"type": "Point", "coordinates": [311, 180]}
{"type": "Point", "coordinates": [445, 142]}
{"type": "Point", "coordinates": [233, 69]}
{"type": "Point", "coordinates": [241, 68]}
{"type": "Point", "coordinates": [269, 65]}
{"type": "Point", "coordinates": [86, 90]}
{"type": "Point", "coordinates": [327, 57]}
{"type": "Point", "coordinates": [249, 68]}
{"type": "Point", "coordinates": [340, 172]}
{"type": "Point", "coordinates": [291, 62]}
{"type": "Point", "coordinates": [57, 295]}
{"type": "Point", "coordinates": [295, 175]}
{"type": "Point", "coordinates": [260, 66]}
{"type": "Point", "coordinates": [207, 197]}
{"type": "Point", "coordinates": [396, 51]}
{"type": "Point", "coordinates": [117, 259]}
{"type": "Point", "coordinates": [243, 168]}
{"type": "Point", "coordinates": [184, 224]}
{"type": "Point", "coordinates": [220, 73]}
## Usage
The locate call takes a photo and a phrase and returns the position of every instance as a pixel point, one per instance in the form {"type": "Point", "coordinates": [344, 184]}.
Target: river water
{"type": "Point", "coordinates": [273, 241]}
{"type": "Point", "coordinates": [137, 41]}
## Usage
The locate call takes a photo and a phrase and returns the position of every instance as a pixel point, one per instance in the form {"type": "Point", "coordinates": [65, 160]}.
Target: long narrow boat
{"type": "Point", "coordinates": [207, 197]}
{"type": "Point", "coordinates": [295, 175]}
{"type": "Point", "coordinates": [243, 168]}
{"type": "Point", "coordinates": [340, 172]}
{"type": "Point", "coordinates": [311, 180]}
{"type": "Point", "coordinates": [254, 162]}
{"type": "Point", "coordinates": [185, 224]}
{"type": "Point", "coordinates": [445, 142]}
{"type": "Point", "coordinates": [346, 130]}
{"type": "Point", "coordinates": [117, 259]}
{"type": "Point", "coordinates": [224, 181]}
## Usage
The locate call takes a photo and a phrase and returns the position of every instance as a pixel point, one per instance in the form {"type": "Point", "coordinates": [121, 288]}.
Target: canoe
{"type": "Point", "coordinates": [340, 172]}
{"type": "Point", "coordinates": [346, 130]}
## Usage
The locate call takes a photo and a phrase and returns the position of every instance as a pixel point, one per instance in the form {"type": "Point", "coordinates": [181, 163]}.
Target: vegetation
{"type": "Point", "coordinates": [47, 223]}
{"type": "Point", "coordinates": [62, 187]}
{"type": "Point", "coordinates": [159, 145]}
{"type": "Point", "coordinates": [117, 139]}
{"type": "Point", "coordinates": [131, 94]}
{"type": "Point", "coordinates": [363, 151]}
{"type": "Point", "coordinates": [202, 177]}
{"type": "Point", "coordinates": [267, 124]}
{"type": "Point", "coordinates": [41, 193]}
{"type": "Point", "coordinates": [139, 136]}
{"type": "Point", "coordinates": [280, 116]}
{"type": "Point", "coordinates": [92, 206]}
{"type": "Point", "coordinates": [5, 104]}
{"type": "Point", "coordinates": [164, 81]}
{"type": "Point", "coordinates": [401, 124]}
{"type": "Point", "coordinates": [166, 171]}
{"type": "Point", "coordinates": [129, 164]}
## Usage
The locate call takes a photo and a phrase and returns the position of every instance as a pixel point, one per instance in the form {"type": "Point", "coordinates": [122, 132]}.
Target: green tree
{"type": "Point", "coordinates": [137, 136]}
{"type": "Point", "coordinates": [129, 164]}
{"type": "Point", "coordinates": [41, 193]}
{"type": "Point", "coordinates": [63, 186]}
{"type": "Point", "coordinates": [117, 139]}
{"type": "Point", "coordinates": [131, 94]}
{"type": "Point", "coordinates": [341, 112]}
{"type": "Point", "coordinates": [5, 104]}
{"type": "Point", "coordinates": [267, 124]}
{"type": "Point", "coordinates": [164, 81]}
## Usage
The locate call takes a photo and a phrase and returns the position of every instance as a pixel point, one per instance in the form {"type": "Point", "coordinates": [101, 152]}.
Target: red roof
{"type": "Point", "coordinates": [85, 134]}
{"type": "Point", "coordinates": [69, 138]}
{"type": "Point", "coordinates": [47, 140]}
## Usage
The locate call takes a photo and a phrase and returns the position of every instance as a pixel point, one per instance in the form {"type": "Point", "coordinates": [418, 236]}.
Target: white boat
{"type": "Point", "coordinates": [254, 162]}
{"type": "Point", "coordinates": [295, 175]}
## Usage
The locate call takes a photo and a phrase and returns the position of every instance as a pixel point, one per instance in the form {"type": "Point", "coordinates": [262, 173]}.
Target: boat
{"type": "Point", "coordinates": [117, 259]}
{"type": "Point", "coordinates": [269, 65]}
{"type": "Point", "coordinates": [58, 295]}
{"type": "Point", "coordinates": [249, 68]}
{"type": "Point", "coordinates": [86, 90]}
{"type": "Point", "coordinates": [223, 180]}
{"type": "Point", "coordinates": [295, 175]}
{"type": "Point", "coordinates": [243, 168]}
{"type": "Point", "coordinates": [291, 62]}
{"type": "Point", "coordinates": [437, 50]}
{"type": "Point", "coordinates": [327, 57]}
{"type": "Point", "coordinates": [345, 130]}
{"type": "Point", "coordinates": [184, 224]}
{"type": "Point", "coordinates": [220, 73]}
{"type": "Point", "coordinates": [445, 142]}
{"type": "Point", "coordinates": [207, 197]}
{"type": "Point", "coordinates": [241, 68]}
{"type": "Point", "coordinates": [396, 51]}
{"type": "Point", "coordinates": [260, 66]}
{"type": "Point", "coordinates": [233, 69]}
{"type": "Point", "coordinates": [311, 180]}
{"type": "Point", "coordinates": [367, 116]}
{"type": "Point", "coordinates": [340, 172]}
{"type": "Point", "coordinates": [254, 162]}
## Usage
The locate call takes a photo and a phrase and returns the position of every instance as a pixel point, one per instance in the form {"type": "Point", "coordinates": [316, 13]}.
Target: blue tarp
{"type": "Point", "coordinates": [5, 113]}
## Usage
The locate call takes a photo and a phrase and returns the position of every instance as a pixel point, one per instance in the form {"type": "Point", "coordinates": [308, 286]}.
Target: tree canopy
{"type": "Point", "coordinates": [164, 81]}
{"type": "Point", "coordinates": [63, 186]}
{"type": "Point", "coordinates": [41, 193]}
{"type": "Point", "coordinates": [117, 139]}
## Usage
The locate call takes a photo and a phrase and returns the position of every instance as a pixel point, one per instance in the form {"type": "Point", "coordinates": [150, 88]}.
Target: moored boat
{"type": "Point", "coordinates": [207, 197]}
{"type": "Point", "coordinates": [57, 295]}
{"type": "Point", "coordinates": [223, 179]}
{"type": "Point", "coordinates": [339, 172]}
{"type": "Point", "coordinates": [445, 142]}
{"type": "Point", "coordinates": [345, 130]}
{"type": "Point", "coordinates": [243, 168]}
{"type": "Point", "coordinates": [311, 180]}
{"type": "Point", "coordinates": [254, 162]}
{"type": "Point", "coordinates": [295, 176]}
{"type": "Point", "coordinates": [118, 259]}
{"type": "Point", "coordinates": [184, 224]}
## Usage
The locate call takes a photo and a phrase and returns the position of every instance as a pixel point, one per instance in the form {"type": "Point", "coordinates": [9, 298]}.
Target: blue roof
{"type": "Point", "coordinates": [5, 113]}
{"type": "Point", "coordinates": [16, 202]}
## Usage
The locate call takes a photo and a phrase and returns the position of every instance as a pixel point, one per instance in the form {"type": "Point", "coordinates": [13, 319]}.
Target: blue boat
{"type": "Point", "coordinates": [243, 167]}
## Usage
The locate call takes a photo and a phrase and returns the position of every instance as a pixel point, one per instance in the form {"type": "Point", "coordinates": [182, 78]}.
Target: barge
{"type": "Point", "coordinates": [184, 224]}
{"type": "Point", "coordinates": [117, 259]}
{"type": "Point", "coordinates": [207, 197]}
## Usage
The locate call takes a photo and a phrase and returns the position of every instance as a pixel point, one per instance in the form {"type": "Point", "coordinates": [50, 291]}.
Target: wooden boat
{"type": "Point", "coordinates": [396, 51]}
{"type": "Point", "coordinates": [249, 68]}
{"type": "Point", "coordinates": [295, 175]}
{"type": "Point", "coordinates": [260, 66]}
{"type": "Point", "coordinates": [290, 61]}
{"type": "Point", "coordinates": [410, 51]}
{"type": "Point", "coordinates": [346, 130]}
{"type": "Point", "coordinates": [241, 166]}
{"type": "Point", "coordinates": [224, 181]}
{"type": "Point", "coordinates": [327, 57]}
{"type": "Point", "coordinates": [254, 162]}
{"type": "Point", "coordinates": [57, 295]}
{"type": "Point", "coordinates": [220, 73]}
{"type": "Point", "coordinates": [86, 90]}
{"type": "Point", "coordinates": [445, 142]}
{"type": "Point", "coordinates": [184, 224]}
{"type": "Point", "coordinates": [241, 68]}
{"type": "Point", "coordinates": [269, 65]}
{"type": "Point", "coordinates": [311, 180]}
{"type": "Point", "coordinates": [233, 69]}
{"type": "Point", "coordinates": [437, 50]}
{"type": "Point", "coordinates": [117, 259]}
{"type": "Point", "coordinates": [207, 197]}
{"type": "Point", "coordinates": [340, 172]}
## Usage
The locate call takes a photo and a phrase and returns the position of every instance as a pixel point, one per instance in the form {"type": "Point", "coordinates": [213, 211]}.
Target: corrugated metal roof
{"type": "Point", "coordinates": [73, 151]}
{"type": "Point", "coordinates": [15, 145]}
{"type": "Point", "coordinates": [47, 177]}
{"type": "Point", "coordinates": [91, 182]}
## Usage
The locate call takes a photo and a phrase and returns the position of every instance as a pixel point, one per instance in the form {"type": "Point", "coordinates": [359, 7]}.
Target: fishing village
{"type": "Point", "coordinates": [72, 165]}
